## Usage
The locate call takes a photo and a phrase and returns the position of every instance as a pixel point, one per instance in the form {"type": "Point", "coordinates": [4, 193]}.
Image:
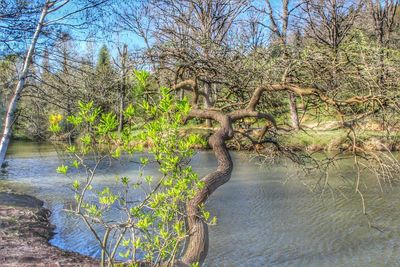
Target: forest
{"type": "Point", "coordinates": [155, 82]}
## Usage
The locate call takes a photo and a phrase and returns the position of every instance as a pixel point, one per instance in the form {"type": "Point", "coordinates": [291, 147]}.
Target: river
{"type": "Point", "coordinates": [264, 218]}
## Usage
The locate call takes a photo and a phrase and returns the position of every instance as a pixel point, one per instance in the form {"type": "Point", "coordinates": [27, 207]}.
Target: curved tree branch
{"type": "Point", "coordinates": [197, 242]}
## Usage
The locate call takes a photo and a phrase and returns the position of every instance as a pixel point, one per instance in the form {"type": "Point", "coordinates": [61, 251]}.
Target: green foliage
{"type": "Point", "coordinates": [76, 185]}
{"type": "Point", "coordinates": [104, 59]}
{"type": "Point", "coordinates": [155, 222]}
{"type": "Point", "coordinates": [130, 111]}
{"type": "Point", "coordinates": [141, 78]}
{"type": "Point", "coordinates": [107, 124]}
{"type": "Point", "coordinates": [62, 169]}
{"type": "Point", "coordinates": [54, 123]}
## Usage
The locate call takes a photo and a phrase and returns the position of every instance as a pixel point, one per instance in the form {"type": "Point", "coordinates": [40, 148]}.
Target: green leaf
{"type": "Point", "coordinates": [86, 139]}
{"type": "Point", "coordinates": [148, 179]}
{"type": "Point", "coordinates": [71, 149]}
{"type": "Point", "coordinates": [144, 223]}
{"type": "Point", "coordinates": [145, 105]}
{"type": "Point", "coordinates": [74, 120]}
{"type": "Point", "coordinates": [76, 185]}
{"type": "Point", "coordinates": [62, 169]}
{"type": "Point", "coordinates": [144, 160]}
{"type": "Point", "coordinates": [129, 111]}
{"type": "Point", "coordinates": [107, 124]}
{"type": "Point", "coordinates": [214, 221]}
{"type": "Point", "coordinates": [126, 254]}
{"type": "Point", "coordinates": [117, 153]}
{"type": "Point", "coordinates": [125, 181]}
{"type": "Point", "coordinates": [75, 164]}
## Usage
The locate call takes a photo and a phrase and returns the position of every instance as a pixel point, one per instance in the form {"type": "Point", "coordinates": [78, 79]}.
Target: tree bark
{"type": "Point", "coordinates": [281, 33]}
{"type": "Point", "coordinates": [207, 102]}
{"type": "Point", "coordinates": [122, 91]}
{"type": "Point", "coordinates": [196, 248]}
{"type": "Point", "coordinates": [12, 106]}
{"type": "Point", "coordinates": [283, 36]}
{"type": "Point", "coordinates": [293, 111]}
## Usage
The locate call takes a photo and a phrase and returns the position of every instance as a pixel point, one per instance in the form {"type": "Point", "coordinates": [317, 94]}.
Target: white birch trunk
{"type": "Point", "coordinates": [12, 106]}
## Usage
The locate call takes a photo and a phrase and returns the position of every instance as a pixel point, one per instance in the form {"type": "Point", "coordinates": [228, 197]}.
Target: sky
{"type": "Point", "coordinates": [118, 39]}
{"type": "Point", "coordinates": [94, 31]}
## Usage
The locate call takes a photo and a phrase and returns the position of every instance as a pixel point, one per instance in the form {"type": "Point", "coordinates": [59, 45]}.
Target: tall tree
{"type": "Point", "coordinates": [186, 37]}
{"type": "Point", "coordinates": [12, 106]}
{"type": "Point", "coordinates": [328, 22]}
{"type": "Point", "coordinates": [104, 81]}
{"type": "Point", "coordinates": [197, 244]}
{"type": "Point", "coordinates": [62, 12]}
{"type": "Point", "coordinates": [383, 14]}
{"type": "Point", "coordinates": [280, 28]}
{"type": "Point", "coordinates": [123, 84]}
{"type": "Point", "coordinates": [104, 60]}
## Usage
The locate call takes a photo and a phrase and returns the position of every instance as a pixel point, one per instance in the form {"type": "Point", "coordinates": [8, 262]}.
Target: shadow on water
{"type": "Point", "coordinates": [262, 221]}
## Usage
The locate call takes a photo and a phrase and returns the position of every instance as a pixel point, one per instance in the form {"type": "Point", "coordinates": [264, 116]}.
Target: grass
{"type": "Point", "coordinates": [313, 138]}
{"type": "Point", "coordinates": [333, 139]}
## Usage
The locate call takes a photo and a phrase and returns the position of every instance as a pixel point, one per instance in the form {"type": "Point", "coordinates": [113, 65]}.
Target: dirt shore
{"type": "Point", "coordinates": [24, 234]}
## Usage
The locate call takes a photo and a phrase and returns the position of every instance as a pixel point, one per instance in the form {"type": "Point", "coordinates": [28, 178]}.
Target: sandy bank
{"type": "Point", "coordinates": [24, 234]}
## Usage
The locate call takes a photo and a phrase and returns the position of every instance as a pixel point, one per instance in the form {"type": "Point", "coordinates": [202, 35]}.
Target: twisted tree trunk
{"type": "Point", "coordinates": [197, 243]}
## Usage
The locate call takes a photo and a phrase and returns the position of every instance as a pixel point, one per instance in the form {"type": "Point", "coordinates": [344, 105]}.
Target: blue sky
{"type": "Point", "coordinates": [112, 40]}
{"type": "Point", "coordinates": [118, 39]}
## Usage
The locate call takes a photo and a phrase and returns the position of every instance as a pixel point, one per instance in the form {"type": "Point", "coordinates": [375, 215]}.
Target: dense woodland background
{"type": "Point", "coordinates": [344, 48]}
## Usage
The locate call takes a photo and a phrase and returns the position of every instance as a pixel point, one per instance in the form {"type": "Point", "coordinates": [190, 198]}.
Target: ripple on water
{"type": "Point", "coordinates": [267, 223]}
{"type": "Point", "coordinates": [262, 222]}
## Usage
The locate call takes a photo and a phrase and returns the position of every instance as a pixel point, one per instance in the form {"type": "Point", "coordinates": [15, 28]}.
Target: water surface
{"type": "Point", "coordinates": [263, 218]}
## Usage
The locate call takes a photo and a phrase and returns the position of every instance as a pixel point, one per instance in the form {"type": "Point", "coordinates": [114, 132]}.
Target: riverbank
{"type": "Point", "coordinates": [341, 140]}
{"type": "Point", "coordinates": [25, 230]}
{"type": "Point", "coordinates": [329, 137]}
